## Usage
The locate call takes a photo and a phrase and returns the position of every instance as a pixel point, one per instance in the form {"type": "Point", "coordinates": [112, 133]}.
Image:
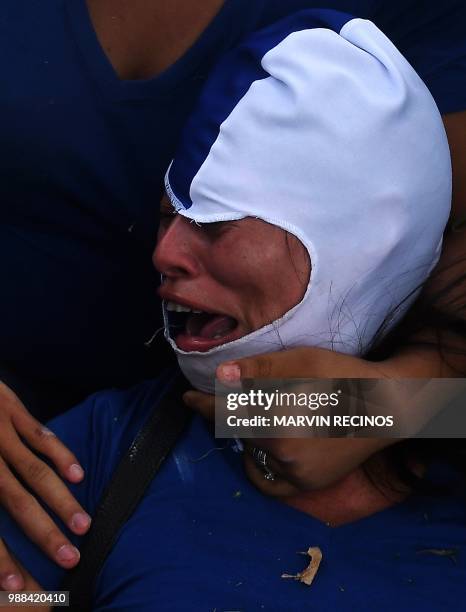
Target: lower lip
{"type": "Point", "coordinates": [189, 343]}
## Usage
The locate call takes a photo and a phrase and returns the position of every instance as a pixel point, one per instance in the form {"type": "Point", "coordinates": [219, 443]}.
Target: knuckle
{"type": "Point", "coordinates": [285, 453]}
{"type": "Point", "coordinates": [36, 471]}
{"type": "Point", "coordinates": [20, 503]}
{"type": "Point", "coordinates": [51, 538]}
{"type": "Point", "coordinates": [66, 508]}
{"type": "Point", "coordinates": [43, 434]}
{"type": "Point", "coordinates": [5, 411]}
{"type": "Point", "coordinates": [8, 400]}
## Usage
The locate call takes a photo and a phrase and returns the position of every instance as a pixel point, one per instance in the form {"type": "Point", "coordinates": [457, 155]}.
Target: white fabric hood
{"type": "Point", "coordinates": [327, 132]}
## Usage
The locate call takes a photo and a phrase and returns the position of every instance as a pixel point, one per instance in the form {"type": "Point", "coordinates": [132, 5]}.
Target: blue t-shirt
{"type": "Point", "coordinates": [204, 538]}
{"type": "Point", "coordinates": [81, 165]}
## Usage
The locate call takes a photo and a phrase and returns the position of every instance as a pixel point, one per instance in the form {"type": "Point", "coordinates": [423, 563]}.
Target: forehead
{"type": "Point", "coordinates": [259, 228]}
{"type": "Point", "coordinates": [246, 223]}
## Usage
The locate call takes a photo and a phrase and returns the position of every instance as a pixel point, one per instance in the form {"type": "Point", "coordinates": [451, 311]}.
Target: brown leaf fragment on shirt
{"type": "Point", "coordinates": [308, 574]}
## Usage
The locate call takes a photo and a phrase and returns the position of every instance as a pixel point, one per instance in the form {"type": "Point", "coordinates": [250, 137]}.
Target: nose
{"type": "Point", "coordinates": [177, 251]}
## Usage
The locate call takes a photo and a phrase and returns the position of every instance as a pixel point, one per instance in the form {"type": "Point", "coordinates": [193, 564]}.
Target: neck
{"type": "Point", "coordinates": [350, 499]}
{"type": "Point", "coordinates": [142, 39]}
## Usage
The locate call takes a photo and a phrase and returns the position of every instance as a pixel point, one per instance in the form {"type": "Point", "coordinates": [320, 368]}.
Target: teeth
{"type": "Point", "coordinates": [175, 307]}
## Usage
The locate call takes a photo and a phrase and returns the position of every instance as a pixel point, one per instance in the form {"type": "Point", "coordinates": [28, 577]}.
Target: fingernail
{"type": "Point", "coordinates": [67, 553]}
{"type": "Point", "coordinates": [80, 521]}
{"type": "Point", "coordinates": [12, 583]}
{"type": "Point", "coordinates": [76, 472]}
{"type": "Point", "coordinates": [230, 372]}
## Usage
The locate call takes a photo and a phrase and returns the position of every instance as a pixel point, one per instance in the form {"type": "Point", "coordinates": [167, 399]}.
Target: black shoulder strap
{"type": "Point", "coordinates": [124, 492]}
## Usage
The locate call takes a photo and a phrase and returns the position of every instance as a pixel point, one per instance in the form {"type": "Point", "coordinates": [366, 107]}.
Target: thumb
{"type": "Point", "coordinates": [293, 363]}
{"type": "Point", "coordinates": [304, 362]}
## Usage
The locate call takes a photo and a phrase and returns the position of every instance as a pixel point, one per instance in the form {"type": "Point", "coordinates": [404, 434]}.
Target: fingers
{"type": "Point", "coordinates": [43, 481]}
{"type": "Point", "coordinates": [279, 486]}
{"type": "Point", "coordinates": [317, 463]}
{"type": "Point", "coordinates": [17, 428]}
{"type": "Point", "coordinates": [44, 441]}
{"type": "Point", "coordinates": [11, 578]}
{"type": "Point", "coordinates": [296, 363]}
{"type": "Point", "coordinates": [16, 425]}
{"type": "Point", "coordinates": [201, 402]}
{"type": "Point", "coordinates": [302, 362]}
{"type": "Point", "coordinates": [34, 521]}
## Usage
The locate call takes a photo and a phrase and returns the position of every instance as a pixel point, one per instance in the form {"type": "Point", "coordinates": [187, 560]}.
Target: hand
{"type": "Point", "coordinates": [309, 463]}
{"type": "Point", "coordinates": [20, 436]}
{"type": "Point", "coordinates": [29, 583]}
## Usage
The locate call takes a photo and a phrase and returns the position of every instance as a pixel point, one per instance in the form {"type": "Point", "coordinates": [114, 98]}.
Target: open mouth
{"type": "Point", "coordinates": [199, 330]}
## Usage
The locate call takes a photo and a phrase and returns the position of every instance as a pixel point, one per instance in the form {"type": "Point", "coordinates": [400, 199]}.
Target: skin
{"type": "Point", "coordinates": [249, 270]}
{"type": "Point", "coordinates": [299, 463]}
{"type": "Point", "coordinates": [141, 39]}
{"type": "Point", "coordinates": [305, 466]}
{"type": "Point", "coordinates": [256, 272]}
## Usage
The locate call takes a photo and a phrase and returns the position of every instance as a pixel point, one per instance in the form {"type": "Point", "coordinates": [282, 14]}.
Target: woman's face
{"type": "Point", "coordinates": [231, 277]}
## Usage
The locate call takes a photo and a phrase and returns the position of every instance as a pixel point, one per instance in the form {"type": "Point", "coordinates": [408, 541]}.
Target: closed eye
{"type": "Point", "coordinates": [166, 216]}
{"type": "Point", "coordinates": [217, 228]}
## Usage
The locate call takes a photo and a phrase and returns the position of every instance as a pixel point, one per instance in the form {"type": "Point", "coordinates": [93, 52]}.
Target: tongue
{"type": "Point", "coordinates": [212, 327]}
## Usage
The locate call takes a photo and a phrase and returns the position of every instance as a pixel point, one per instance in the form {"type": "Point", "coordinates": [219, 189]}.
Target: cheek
{"type": "Point", "coordinates": [264, 278]}
{"type": "Point", "coordinates": [282, 277]}
{"type": "Point", "coordinates": [232, 262]}
{"type": "Point", "coordinates": [259, 278]}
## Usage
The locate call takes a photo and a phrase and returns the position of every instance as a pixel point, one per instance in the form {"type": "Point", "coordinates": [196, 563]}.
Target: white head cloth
{"type": "Point", "coordinates": [328, 133]}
